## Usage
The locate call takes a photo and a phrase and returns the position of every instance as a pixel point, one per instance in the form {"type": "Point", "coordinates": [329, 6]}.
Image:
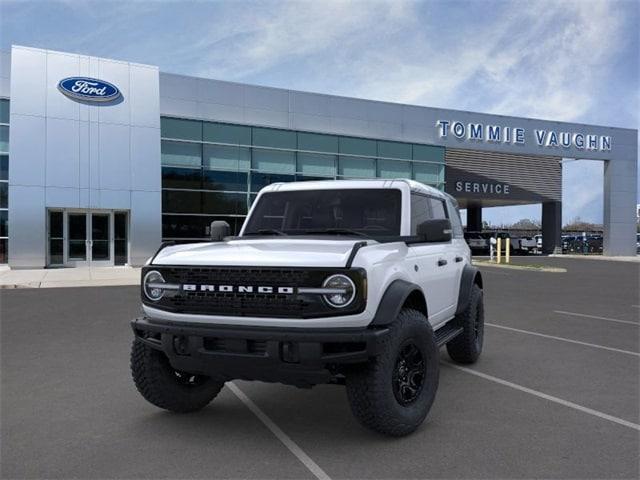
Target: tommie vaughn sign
{"type": "Point", "coordinates": [88, 89]}
{"type": "Point", "coordinates": [478, 132]}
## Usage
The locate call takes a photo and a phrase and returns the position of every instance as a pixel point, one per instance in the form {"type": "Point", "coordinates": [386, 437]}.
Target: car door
{"type": "Point", "coordinates": [459, 246]}
{"type": "Point", "coordinates": [431, 264]}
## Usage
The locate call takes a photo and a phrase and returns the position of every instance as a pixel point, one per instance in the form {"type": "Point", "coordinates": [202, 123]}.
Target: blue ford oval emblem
{"type": "Point", "coordinates": [89, 89]}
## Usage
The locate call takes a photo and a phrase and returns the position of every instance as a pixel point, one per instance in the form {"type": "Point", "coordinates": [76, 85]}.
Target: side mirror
{"type": "Point", "coordinates": [219, 230]}
{"type": "Point", "coordinates": [434, 230]}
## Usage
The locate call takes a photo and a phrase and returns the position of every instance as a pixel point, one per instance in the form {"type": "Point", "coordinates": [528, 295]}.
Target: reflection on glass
{"type": "Point", "coordinates": [120, 238]}
{"type": "Point", "coordinates": [100, 237]}
{"type": "Point", "coordinates": [77, 236]}
{"type": "Point", "coordinates": [4, 257]}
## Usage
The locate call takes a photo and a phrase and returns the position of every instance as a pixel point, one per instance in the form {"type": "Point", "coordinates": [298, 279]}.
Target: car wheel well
{"type": "Point", "coordinates": [478, 279]}
{"type": "Point", "coordinates": [416, 301]}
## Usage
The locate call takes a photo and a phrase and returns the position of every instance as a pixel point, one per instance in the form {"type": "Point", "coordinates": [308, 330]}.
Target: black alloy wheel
{"type": "Point", "coordinates": [408, 374]}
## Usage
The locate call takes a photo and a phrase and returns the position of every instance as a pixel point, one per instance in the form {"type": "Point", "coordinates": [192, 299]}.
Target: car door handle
{"type": "Point", "coordinates": [442, 262]}
{"type": "Point", "coordinates": [459, 259]}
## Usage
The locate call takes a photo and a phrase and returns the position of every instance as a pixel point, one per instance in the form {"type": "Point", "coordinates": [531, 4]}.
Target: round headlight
{"type": "Point", "coordinates": [150, 285]}
{"type": "Point", "coordinates": [344, 291]}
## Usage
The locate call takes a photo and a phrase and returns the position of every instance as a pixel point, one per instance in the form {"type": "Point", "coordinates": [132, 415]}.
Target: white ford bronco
{"type": "Point", "coordinates": [350, 282]}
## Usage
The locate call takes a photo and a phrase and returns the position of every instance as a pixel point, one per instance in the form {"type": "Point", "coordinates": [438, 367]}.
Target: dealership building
{"type": "Point", "coordinates": [101, 160]}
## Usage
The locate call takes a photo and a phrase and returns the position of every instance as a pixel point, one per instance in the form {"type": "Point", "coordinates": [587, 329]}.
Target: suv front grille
{"type": "Point", "coordinates": [255, 304]}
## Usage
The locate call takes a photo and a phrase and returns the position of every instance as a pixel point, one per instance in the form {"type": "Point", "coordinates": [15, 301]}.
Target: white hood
{"type": "Point", "coordinates": [269, 252]}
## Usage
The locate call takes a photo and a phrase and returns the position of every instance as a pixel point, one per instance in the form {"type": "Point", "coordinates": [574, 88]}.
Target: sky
{"type": "Point", "coordinates": [558, 60]}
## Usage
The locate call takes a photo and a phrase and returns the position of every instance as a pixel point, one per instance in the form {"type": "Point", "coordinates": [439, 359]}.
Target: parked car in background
{"type": "Point", "coordinates": [477, 242]}
{"type": "Point", "coordinates": [528, 244]}
{"type": "Point", "coordinates": [538, 248]}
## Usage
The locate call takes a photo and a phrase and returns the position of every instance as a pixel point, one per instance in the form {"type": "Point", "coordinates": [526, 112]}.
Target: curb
{"type": "Point", "coordinates": [521, 267]}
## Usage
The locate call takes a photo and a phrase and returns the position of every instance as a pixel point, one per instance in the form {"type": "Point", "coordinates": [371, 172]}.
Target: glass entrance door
{"type": "Point", "coordinates": [87, 238]}
{"type": "Point", "coordinates": [77, 240]}
{"type": "Point", "coordinates": [100, 241]}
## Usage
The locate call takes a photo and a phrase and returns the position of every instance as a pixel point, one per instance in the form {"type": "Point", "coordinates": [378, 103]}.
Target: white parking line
{"type": "Point", "coordinates": [280, 435]}
{"type": "Point", "coordinates": [562, 339]}
{"type": "Point", "coordinates": [596, 317]}
{"type": "Point", "coordinates": [551, 398]}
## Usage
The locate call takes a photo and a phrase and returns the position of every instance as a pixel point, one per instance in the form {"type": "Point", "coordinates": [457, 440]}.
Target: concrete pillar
{"type": "Point", "coordinates": [620, 198]}
{"type": "Point", "coordinates": [474, 218]}
{"type": "Point", "coordinates": [551, 227]}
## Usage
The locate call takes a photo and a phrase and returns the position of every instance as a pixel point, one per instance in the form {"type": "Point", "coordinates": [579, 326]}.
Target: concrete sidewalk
{"type": "Point", "coordinates": [69, 277]}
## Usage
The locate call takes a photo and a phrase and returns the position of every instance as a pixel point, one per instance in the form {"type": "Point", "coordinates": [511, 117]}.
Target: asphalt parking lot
{"type": "Point", "coordinates": [556, 394]}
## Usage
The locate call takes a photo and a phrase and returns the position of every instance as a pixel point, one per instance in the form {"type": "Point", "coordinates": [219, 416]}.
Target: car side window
{"type": "Point", "coordinates": [420, 211]}
{"type": "Point", "coordinates": [438, 210]}
{"type": "Point", "coordinates": [456, 223]}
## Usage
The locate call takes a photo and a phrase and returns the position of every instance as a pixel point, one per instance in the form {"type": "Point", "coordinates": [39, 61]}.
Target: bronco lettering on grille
{"type": "Point", "coordinates": [190, 287]}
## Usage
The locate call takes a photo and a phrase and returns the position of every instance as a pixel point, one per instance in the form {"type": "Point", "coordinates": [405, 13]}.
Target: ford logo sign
{"type": "Point", "coordinates": [89, 89]}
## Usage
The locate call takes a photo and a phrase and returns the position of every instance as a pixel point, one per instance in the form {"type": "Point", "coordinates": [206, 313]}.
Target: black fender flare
{"type": "Point", "coordinates": [470, 276]}
{"type": "Point", "coordinates": [392, 301]}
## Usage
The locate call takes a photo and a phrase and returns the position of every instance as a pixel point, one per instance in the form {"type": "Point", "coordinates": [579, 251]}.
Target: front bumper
{"type": "Point", "coordinates": [292, 356]}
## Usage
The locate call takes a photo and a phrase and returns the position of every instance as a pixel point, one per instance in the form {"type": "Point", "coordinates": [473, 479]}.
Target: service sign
{"type": "Point", "coordinates": [88, 89]}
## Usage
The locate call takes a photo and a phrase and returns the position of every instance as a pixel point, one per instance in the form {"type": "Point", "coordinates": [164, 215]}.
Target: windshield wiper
{"type": "Point", "coordinates": [267, 231]}
{"type": "Point", "coordinates": [338, 231]}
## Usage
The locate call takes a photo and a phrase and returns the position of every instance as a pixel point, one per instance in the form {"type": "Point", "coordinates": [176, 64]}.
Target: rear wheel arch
{"type": "Point", "coordinates": [470, 276]}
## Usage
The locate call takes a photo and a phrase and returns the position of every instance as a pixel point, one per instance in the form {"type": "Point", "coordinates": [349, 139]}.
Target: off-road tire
{"type": "Point", "coordinates": [160, 384]}
{"type": "Point", "coordinates": [370, 388]}
{"type": "Point", "coordinates": [467, 346]}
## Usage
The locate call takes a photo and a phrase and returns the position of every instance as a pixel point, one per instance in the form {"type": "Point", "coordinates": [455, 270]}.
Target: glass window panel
{"type": "Point", "coordinates": [4, 223]}
{"type": "Point", "coordinates": [4, 167]}
{"type": "Point", "coordinates": [357, 167]}
{"type": "Point", "coordinates": [317, 164]}
{"type": "Point", "coordinates": [77, 236]}
{"type": "Point", "coordinates": [318, 143]}
{"type": "Point", "coordinates": [394, 150]}
{"type": "Point", "coordinates": [419, 211]}
{"type": "Point", "coordinates": [175, 201]}
{"type": "Point", "coordinates": [274, 161]}
{"type": "Point", "coordinates": [120, 242]}
{"type": "Point", "coordinates": [100, 250]}
{"type": "Point", "coordinates": [195, 227]}
{"type": "Point", "coordinates": [371, 211]}
{"type": "Point", "coordinates": [184, 226]}
{"type": "Point", "coordinates": [99, 226]}
{"type": "Point", "coordinates": [78, 226]}
{"type": "Point", "coordinates": [225, 203]}
{"type": "Point", "coordinates": [218, 180]}
{"type": "Point", "coordinates": [456, 222]}
{"type": "Point", "coordinates": [358, 146]}
{"type": "Point", "coordinates": [437, 208]}
{"type": "Point", "coordinates": [4, 111]}
{"type": "Point", "coordinates": [4, 194]}
{"type": "Point", "coordinates": [120, 226]}
{"type": "Point", "coordinates": [225, 133]}
{"type": "Point", "coordinates": [226, 157]}
{"type": "Point", "coordinates": [271, 137]}
{"type": "Point", "coordinates": [173, 177]}
{"type": "Point", "coordinates": [260, 180]}
{"type": "Point", "coordinates": [55, 225]}
{"type": "Point", "coordinates": [4, 251]}
{"type": "Point", "coordinates": [182, 154]}
{"type": "Point", "coordinates": [4, 139]}
{"type": "Point", "coordinates": [307, 178]}
{"type": "Point", "coordinates": [178, 128]}
{"type": "Point", "coordinates": [394, 169]}
{"type": "Point", "coordinates": [429, 173]}
{"type": "Point", "coordinates": [428, 153]}
{"type": "Point", "coordinates": [56, 252]}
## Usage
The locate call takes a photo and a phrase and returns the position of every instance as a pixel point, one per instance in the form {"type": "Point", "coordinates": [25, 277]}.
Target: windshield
{"type": "Point", "coordinates": [359, 212]}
